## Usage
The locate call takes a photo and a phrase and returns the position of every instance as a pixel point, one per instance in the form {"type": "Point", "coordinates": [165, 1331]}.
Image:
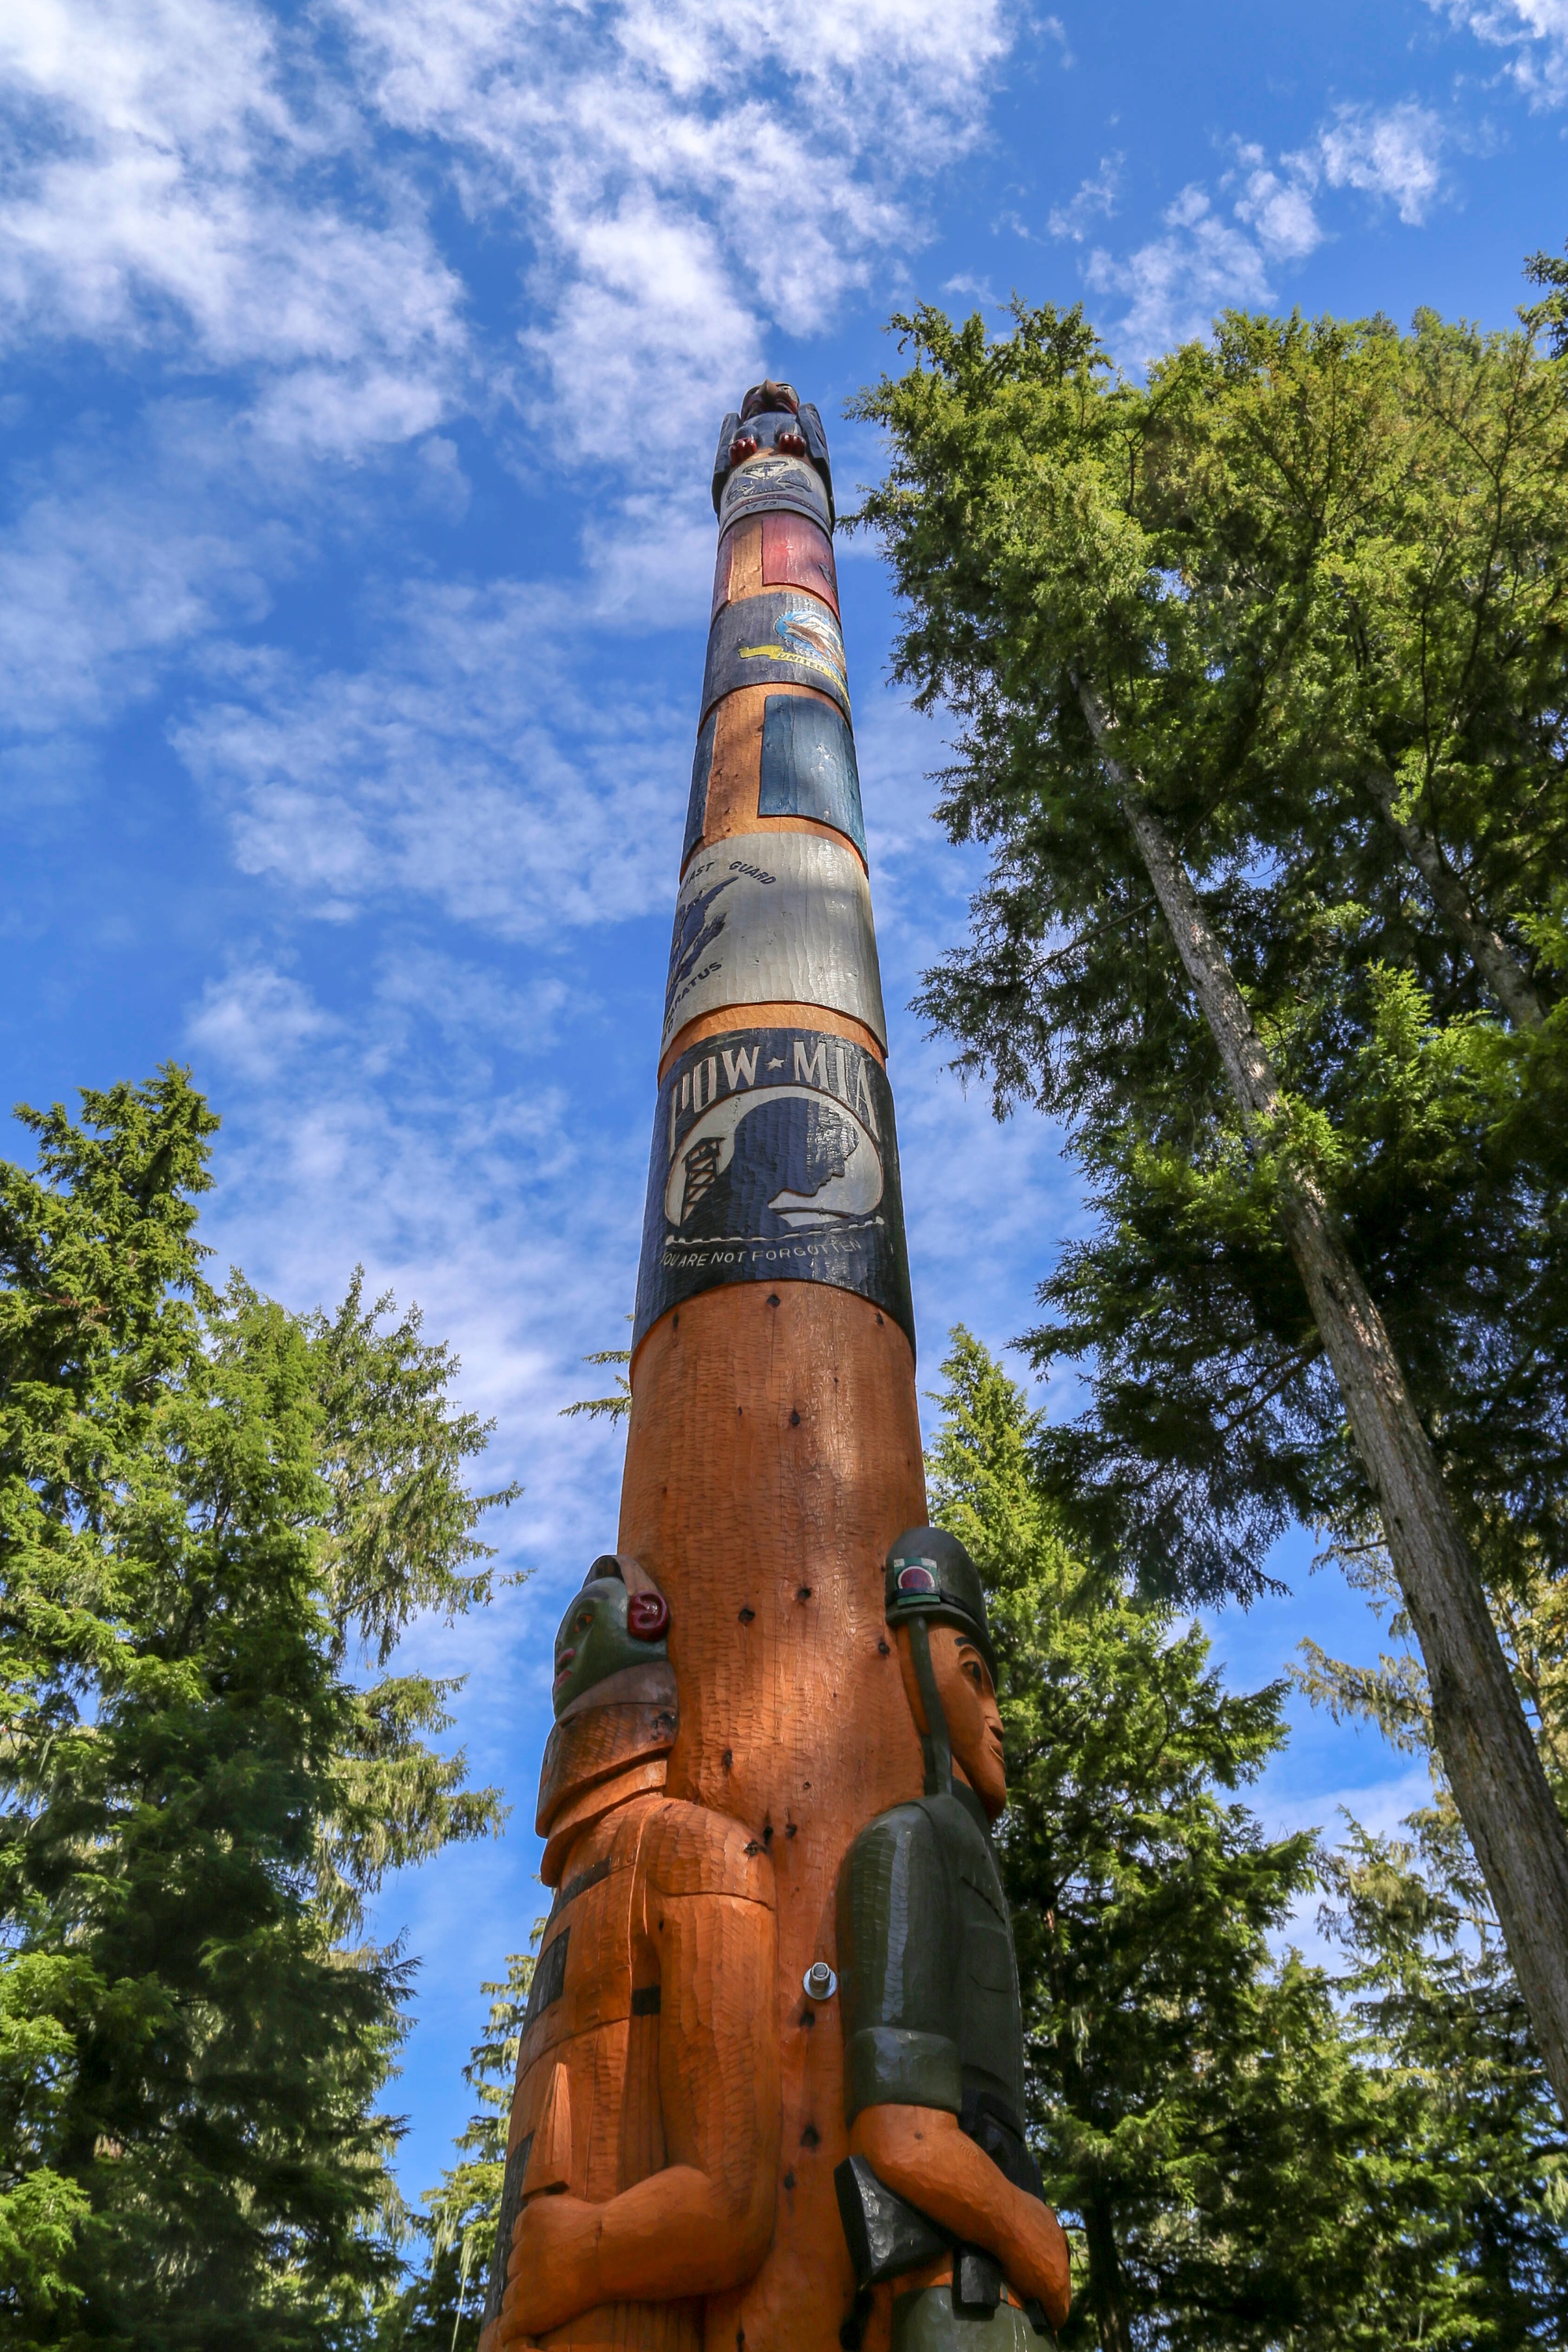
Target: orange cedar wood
{"type": "Point", "coordinates": [735, 779]}
{"type": "Point", "coordinates": [764, 1016]}
{"type": "Point", "coordinates": [657, 2125]}
{"type": "Point", "coordinates": [774, 1453]}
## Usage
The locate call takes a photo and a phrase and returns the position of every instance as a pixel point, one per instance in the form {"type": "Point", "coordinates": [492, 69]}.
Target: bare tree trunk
{"type": "Point", "coordinates": [1488, 1752]}
{"type": "Point", "coordinates": [1499, 967]}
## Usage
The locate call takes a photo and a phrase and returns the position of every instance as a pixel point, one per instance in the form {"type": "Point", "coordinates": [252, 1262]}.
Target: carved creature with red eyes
{"type": "Point", "coordinates": [771, 416]}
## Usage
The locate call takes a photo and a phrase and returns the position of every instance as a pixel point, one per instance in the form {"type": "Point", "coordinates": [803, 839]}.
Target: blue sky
{"type": "Point", "coordinates": [364, 363]}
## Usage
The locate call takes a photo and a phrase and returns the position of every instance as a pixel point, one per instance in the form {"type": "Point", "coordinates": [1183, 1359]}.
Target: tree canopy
{"type": "Point", "coordinates": [1252, 2151]}
{"type": "Point", "coordinates": [208, 1506]}
{"type": "Point", "coordinates": [1261, 672]}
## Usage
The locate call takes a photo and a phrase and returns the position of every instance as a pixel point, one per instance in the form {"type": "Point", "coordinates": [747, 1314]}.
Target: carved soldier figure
{"type": "Point", "coordinates": [933, 2041]}
{"type": "Point", "coordinates": [643, 2155]}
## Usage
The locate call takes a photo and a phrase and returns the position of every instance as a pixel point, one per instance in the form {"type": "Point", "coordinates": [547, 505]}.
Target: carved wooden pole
{"type": "Point", "coordinates": [775, 1450]}
{"type": "Point", "coordinates": [750, 1787]}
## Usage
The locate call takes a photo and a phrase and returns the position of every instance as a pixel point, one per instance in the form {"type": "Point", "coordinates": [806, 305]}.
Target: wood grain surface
{"type": "Point", "coordinates": [772, 1455]}
{"type": "Point", "coordinates": [649, 2085]}
{"type": "Point", "coordinates": [735, 779]}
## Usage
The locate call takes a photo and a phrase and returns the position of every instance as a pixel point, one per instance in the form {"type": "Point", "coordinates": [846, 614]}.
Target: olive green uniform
{"type": "Point", "coordinates": [932, 2012]}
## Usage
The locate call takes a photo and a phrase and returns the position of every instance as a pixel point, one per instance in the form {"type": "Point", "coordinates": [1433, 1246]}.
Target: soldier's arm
{"type": "Point", "coordinates": [921, 2154]}
{"type": "Point", "coordinates": [703, 2223]}
{"type": "Point", "coordinates": [897, 1947]}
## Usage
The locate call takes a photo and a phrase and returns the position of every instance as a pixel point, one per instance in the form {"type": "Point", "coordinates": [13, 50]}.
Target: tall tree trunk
{"type": "Point", "coordinates": [1499, 967]}
{"type": "Point", "coordinates": [1488, 1752]}
{"type": "Point", "coordinates": [1106, 2297]}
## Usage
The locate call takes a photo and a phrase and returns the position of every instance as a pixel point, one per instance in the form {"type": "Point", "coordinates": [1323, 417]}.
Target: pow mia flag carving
{"type": "Point", "coordinates": [775, 1158]}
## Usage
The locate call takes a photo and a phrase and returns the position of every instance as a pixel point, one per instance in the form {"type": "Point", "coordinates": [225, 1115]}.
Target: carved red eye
{"type": "Point", "coordinates": [792, 444]}
{"type": "Point", "coordinates": [647, 1615]}
{"type": "Point", "coordinates": [743, 446]}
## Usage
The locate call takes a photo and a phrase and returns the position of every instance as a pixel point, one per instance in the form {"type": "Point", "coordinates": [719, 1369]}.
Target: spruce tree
{"type": "Point", "coordinates": [206, 1505]}
{"type": "Point", "coordinates": [442, 2306]}
{"type": "Point", "coordinates": [1260, 668]}
{"type": "Point", "coordinates": [1249, 2151]}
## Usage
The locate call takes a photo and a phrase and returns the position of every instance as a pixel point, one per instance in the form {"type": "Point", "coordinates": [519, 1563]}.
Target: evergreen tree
{"type": "Point", "coordinates": [1249, 2152]}
{"type": "Point", "coordinates": [206, 1504]}
{"type": "Point", "coordinates": [1261, 668]}
{"type": "Point", "coordinates": [443, 2306]}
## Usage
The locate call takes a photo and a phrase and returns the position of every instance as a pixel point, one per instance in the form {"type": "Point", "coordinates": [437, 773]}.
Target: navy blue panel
{"type": "Point", "coordinates": [701, 768]}
{"type": "Point", "coordinates": [783, 637]}
{"type": "Point", "coordinates": [808, 765]}
{"type": "Point", "coordinates": [773, 1154]}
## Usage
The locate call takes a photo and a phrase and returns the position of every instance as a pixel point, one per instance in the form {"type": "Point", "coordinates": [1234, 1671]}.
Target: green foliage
{"type": "Point", "coordinates": [615, 1407]}
{"type": "Point", "coordinates": [1550, 315]}
{"type": "Point", "coordinates": [442, 2307]}
{"type": "Point", "coordinates": [1315, 572]}
{"type": "Point", "coordinates": [1250, 2153]}
{"type": "Point", "coordinates": [204, 1499]}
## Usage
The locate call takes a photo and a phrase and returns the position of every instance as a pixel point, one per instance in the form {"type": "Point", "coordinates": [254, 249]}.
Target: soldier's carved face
{"type": "Point", "coordinates": [602, 1630]}
{"type": "Point", "coordinates": [968, 1699]}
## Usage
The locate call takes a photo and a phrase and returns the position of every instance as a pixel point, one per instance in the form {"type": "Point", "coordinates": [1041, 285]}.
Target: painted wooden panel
{"type": "Point", "coordinates": [697, 802]}
{"type": "Point", "coordinates": [783, 637]}
{"type": "Point", "coordinates": [774, 551]}
{"type": "Point", "coordinates": [735, 777]}
{"type": "Point", "coordinates": [774, 1156]}
{"type": "Point", "coordinates": [797, 553]}
{"type": "Point", "coordinates": [770, 480]}
{"type": "Point", "coordinates": [780, 917]}
{"type": "Point", "coordinates": [808, 765]}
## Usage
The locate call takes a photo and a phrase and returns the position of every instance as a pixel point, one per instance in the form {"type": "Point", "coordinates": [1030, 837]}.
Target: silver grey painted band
{"type": "Point", "coordinates": [771, 481]}
{"type": "Point", "coordinates": [775, 919]}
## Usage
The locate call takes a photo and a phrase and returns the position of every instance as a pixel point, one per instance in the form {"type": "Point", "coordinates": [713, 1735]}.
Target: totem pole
{"type": "Point", "coordinates": [745, 1717]}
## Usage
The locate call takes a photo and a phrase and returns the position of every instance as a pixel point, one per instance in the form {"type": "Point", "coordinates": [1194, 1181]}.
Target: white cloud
{"type": "Point", "coordinates": [684, 189]}
{"type": "Point", "coordinates": [1278, 205]}
{"type": "Point", "coordinates": [116, 560]}
{"type": "Point", "coordinates": [256, 1018]}
{"type": "Point", "coordinates": [1535, 32]}
{"type": "Point", "coordinates": [206, 185]}
{"type": "Point", "coordinates": [1175, 284]}
{"type": "Point", "coordinates": [471, 767]}
{"type": "Point", "coordinates": [1095, 199]}
{"type": "Point", "coordinates": [1391, 153]}
{"type": "Point", "coordinates": [1218, 254]}
{"type": "Point", "coordinates": [1055, 30]}
{"type": "Point", "coordinates": [180, 180]}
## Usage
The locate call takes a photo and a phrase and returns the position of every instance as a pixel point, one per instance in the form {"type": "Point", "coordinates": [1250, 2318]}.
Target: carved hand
{"type": "Point", "coordinates": [671, 2235]}
{"type": "Point", "coordinates": [920, 2153]}
{"type": "Point", "coordinates": [551, 2274]}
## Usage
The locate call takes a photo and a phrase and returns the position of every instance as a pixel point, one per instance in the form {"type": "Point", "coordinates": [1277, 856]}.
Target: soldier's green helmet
{"type": "Point", "coordinates": [618, 1619]}
{"type": "Point", "coordinates": [930, 1574]}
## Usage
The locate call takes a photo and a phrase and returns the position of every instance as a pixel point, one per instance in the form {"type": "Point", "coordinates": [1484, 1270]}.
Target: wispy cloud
{"type": "Point", "coordinates": [472, 766]}
{"type": "Point", "coordinates": [648, 144]}
{"type": "Point", "coordinates": [1393, 153]}
{"type": "Point", "coordinates": [1175, 283]}
{"type": "Point", "coordinates": [1223, 250]}
{"type": "Point", "coordinates": [1055, 30]}
{"type": "Point", "coordinates": [1095, 199]}
{"type": "Point", "coordinates": [1534, 33]}
{"type": "Point", "coordinates": [1276, 204]}
{"type": "Point", "coordinates": [122, 550]}
{"type": "Point", "coordinates": [201, 185]}
{"type": "Point", "coordinates": [179, 182]}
